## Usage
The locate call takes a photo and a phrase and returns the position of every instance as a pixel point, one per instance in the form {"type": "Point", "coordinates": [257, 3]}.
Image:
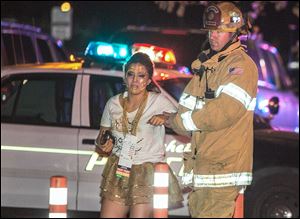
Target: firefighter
{"type": "Point", "coordinates": [216, 108]}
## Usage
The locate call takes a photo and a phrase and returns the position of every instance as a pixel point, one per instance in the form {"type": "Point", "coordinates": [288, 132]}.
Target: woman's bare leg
{"type": "Point", "coordinates": [112, 209]}
{"type": "Point", "coordinates": [141, 211]}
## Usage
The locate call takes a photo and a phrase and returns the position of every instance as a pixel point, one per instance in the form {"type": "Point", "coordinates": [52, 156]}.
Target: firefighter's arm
{"type": "Point", "coordinates": [169, 123]}
{"type": "Point", "coordinates": [234, 97]}
{"type": "Point", "coordinates": [174, 120]}
{"type": "Point", "coordinates": [217, 114]}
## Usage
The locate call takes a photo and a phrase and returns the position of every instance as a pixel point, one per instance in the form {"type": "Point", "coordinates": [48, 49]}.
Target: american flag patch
{"type": "Point", "coordinates": [235, 71]}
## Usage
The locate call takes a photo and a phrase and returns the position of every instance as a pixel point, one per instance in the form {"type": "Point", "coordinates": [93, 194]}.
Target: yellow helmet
{"type": "Point", "coordinates": [225, 17]}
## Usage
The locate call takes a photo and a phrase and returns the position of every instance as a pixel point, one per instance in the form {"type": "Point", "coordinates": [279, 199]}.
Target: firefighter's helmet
{"type": "Point", "coordinates": [225, 17]}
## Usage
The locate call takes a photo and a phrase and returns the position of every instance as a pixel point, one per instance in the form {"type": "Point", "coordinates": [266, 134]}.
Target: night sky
{"type": "Point", "coordinates": [98, 19]}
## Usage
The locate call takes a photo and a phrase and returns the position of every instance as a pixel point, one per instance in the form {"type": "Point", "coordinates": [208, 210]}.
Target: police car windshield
{"type": "Point", "coordinates": [185, 46]}
{"type": "Point", "coordinates": [174, 86]}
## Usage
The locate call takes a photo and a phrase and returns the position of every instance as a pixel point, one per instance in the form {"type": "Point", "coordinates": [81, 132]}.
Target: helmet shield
{"type": "Point", "coordinates": [211, 17]}
{"type": "Point", "coordinates": [225, 17]}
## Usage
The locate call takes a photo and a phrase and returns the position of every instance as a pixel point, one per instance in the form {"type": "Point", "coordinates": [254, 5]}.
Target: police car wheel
{"type": "Point", "coordinates": [274, 197]}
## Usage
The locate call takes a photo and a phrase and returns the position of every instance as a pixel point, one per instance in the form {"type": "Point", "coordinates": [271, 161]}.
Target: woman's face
{"type": "Point", "coordinates": [137, 78]}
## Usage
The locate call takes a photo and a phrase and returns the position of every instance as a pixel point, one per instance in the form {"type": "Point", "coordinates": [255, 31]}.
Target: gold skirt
{"type": "Point", "coordinates": [138, 187]}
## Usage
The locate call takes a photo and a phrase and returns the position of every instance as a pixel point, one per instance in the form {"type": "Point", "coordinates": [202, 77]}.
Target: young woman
{"type": "Point", "coordinates": [135, 119]}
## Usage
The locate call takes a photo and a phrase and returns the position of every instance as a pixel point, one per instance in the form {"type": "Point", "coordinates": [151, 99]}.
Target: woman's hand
{"type": "Point", "coordinates": [105, 148]}
{"type": "Point", "coordinates": [157, 120]}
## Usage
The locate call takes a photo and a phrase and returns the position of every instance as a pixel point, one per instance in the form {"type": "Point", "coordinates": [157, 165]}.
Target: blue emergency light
{"type": "Point", "coordinates": [116, 51]}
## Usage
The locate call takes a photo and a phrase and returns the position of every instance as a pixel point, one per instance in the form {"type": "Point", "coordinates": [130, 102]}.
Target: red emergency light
{"type": "Point", "coordinates": [157, 54]}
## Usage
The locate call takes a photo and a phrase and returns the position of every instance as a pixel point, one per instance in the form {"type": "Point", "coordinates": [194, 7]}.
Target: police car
{"type": "Point", "coordinates": [23, 43]}
{"type": "Point", "coordinates": [50, 117]}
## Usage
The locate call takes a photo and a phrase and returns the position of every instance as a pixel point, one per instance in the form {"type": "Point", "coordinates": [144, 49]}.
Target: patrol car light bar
{"type": "Point", "coordinates": [120, 52]}
{"type": "Point", "coordinates": [157, 54]}
{"type": "Point", "coordinates": [109, 50]}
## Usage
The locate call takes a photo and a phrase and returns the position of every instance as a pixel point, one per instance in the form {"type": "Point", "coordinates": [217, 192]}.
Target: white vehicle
{"type": "Point", "coordinates": [50, 116]}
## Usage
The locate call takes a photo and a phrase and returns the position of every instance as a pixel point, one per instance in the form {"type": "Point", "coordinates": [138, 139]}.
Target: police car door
{"type": "Point", "coordinates": [98, 87]}
{"type": "Point", "coordinates": [39, 113]}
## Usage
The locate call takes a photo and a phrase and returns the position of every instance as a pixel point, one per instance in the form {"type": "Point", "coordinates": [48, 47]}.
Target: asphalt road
{"type": "Point", "coordinates": [43, 213]}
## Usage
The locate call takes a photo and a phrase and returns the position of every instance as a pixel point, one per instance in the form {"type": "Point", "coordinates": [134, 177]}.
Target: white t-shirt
{"type": "Point", "coordinates": [150, 146]}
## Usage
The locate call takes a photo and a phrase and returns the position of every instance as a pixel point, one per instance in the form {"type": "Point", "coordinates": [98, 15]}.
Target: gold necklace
{"type": "Point", "coordinates": [137, 116]}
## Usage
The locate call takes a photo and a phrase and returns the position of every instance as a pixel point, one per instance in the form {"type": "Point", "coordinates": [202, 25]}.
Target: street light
{"type": "Point", "coordinates": [65, 7]}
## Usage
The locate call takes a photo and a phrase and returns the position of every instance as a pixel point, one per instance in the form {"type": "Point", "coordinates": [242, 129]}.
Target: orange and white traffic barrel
{"type": "Point", "coordinates": [161, 196]}
{"type": "Point", "coordinates": [239, 205]}
{"type": "Point", "coordinates": [58, 197]}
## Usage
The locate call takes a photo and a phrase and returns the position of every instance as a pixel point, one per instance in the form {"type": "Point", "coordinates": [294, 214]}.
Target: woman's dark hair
{"type": "Point", "coordinates": [141, 58]}
{"type": "Point", "coordinates": [145, 60]}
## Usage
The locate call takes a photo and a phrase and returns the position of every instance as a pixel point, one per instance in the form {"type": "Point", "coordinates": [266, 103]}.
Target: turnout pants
{"type": "Point", "coordinates": [213, 202]}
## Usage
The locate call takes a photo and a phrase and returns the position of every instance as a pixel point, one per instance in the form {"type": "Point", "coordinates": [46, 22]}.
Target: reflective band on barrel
{"type": "Point", "coordinates": [58, 197]}
{"type": "Point", "coordinates": [161, 192]}
{"type": "Point", "coordinates": [160, 201]}
{"type": "Point", "coordinates": [57, 215]}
